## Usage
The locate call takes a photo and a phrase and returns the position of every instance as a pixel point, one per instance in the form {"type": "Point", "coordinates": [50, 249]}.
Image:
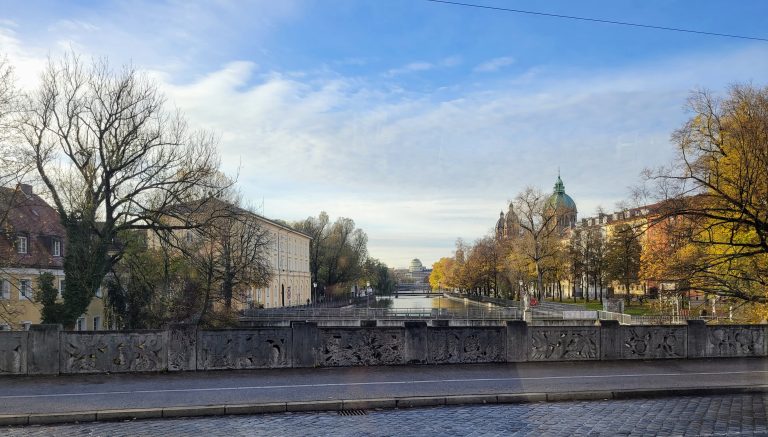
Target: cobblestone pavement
{"type": "Point", "coordinates": [737, 415]}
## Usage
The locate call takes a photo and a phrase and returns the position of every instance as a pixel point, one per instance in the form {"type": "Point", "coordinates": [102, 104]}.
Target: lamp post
{"type": "Point", "coordinates": [314, 292]}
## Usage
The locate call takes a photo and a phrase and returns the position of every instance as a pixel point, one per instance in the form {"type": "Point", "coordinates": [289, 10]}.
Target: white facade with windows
{"type": "Point", "coordinates": [289, 256]}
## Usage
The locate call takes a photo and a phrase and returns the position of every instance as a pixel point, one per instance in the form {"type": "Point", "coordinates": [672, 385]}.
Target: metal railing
{"type": "Point", "coordinates": [312, 314]}
{"type": "Point", "coordinates": [624, 319]}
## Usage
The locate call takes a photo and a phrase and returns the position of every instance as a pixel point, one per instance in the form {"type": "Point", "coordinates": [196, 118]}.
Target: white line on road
{"type": "Point", "coordinates": [351, 384]}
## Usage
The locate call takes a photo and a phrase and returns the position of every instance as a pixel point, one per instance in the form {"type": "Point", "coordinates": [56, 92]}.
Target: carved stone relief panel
{"type": "Point", "coordinates": [182, 349]}
{"type": "Point", "coordinates": [13, 353]}
{"type": "Point", "coordinates": [563, 344]}
{"type": "Point", "coordinates": [244, 349]}
{"type": "Point", "coordinates": [113, 352]}
{"type": "Point", "coordinates": [647, 342]}
{"type": "Point", "coordinates": [465, 345]}
{"type": "Point", "coordinates": [361, 347]}
{"type": "Point", "coordinates": [736, 341]}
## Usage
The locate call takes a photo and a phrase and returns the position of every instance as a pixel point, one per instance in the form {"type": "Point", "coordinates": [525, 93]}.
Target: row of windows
{"type": "Point", "coordinates": [22, 245]}
{"type": "Point", "coordinates": [81, 324]}
{"type": "Point", "coordinates": [25, 289]}
{"type": "Point", "coordinates": [272, 297]}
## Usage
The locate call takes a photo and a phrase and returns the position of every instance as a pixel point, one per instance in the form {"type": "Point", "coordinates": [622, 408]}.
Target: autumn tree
{"type": "Point", "coordinates": [377, 274]}
{"type": "Point", "coordinates": [622, 256]}
{"type": "Point", "coordinates": [540, 236]}
{"type": "Point", "coordinates": [719, 185]}
{"type": "Point", "coordinates": [317, 229]}
{"type": "Point", "coordinates": [440, 277]}
{"type": "Point", "coordinates": [338, 250]}
{"type": "Point", "coordinates": [587, 257]}
{"type": "Point", "coordinates": [112, 159]}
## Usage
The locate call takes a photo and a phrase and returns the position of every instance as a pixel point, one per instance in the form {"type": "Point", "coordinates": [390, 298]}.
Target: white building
{"type": "Point", "coordinates": [289, 256]}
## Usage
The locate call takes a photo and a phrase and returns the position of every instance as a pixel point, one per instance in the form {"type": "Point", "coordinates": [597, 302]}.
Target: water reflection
{"type": "Point", "coordinates": [426, 302]}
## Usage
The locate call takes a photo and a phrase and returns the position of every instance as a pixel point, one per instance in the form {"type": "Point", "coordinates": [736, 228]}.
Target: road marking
{"type": "Point", "coordinates": [353, 384]}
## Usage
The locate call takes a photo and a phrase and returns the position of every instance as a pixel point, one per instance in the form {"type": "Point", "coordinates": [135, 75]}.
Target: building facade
{"type": "Point", "coordinates": [32, 242]}
{"type": "Point", "coordinates": [289, 257]}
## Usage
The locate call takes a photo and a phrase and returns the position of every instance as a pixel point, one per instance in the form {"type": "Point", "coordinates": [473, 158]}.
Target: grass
{"type": "Point", "coordinates": [634, 309]}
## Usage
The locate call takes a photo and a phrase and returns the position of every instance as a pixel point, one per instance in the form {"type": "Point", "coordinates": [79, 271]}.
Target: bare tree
{"type": "Point", "coordinates": [230, 254]}
{"type": "Point", "coordinates": [113, 160]}
{"type": "Point", "coordinates": [13, 170]}
{"type": "Point", "coordinates": [540, 234]}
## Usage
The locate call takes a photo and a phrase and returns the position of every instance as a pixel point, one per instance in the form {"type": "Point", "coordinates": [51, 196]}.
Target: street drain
{"type": "Point", "coordinates": [352, 412]}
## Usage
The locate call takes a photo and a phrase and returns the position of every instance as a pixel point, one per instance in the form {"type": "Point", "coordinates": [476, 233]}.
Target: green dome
{"type": "Point", "coordinates": [560, 200]}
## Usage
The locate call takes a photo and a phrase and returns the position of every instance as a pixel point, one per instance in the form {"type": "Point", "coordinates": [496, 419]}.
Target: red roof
{"type": "Point", "coordinates": [25, 214]}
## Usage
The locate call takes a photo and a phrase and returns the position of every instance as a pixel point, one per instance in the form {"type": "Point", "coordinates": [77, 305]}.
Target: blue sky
{"type": "Point", "coordinates": [418, 120]}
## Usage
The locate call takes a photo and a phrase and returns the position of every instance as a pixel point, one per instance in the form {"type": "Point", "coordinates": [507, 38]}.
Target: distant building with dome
{"type": "Point", "coordinates": [564, 206]}
{"type": "Point", "coordinates": [415, 273]}
{"type": "Point", "coordinates": [508, 224]}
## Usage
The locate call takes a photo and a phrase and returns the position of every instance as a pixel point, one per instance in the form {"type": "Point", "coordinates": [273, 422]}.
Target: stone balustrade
{"type": "Point", "coordinates": [46, 349]}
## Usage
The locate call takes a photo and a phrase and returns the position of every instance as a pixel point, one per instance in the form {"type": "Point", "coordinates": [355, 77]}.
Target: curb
{"type": "Point", "coordinates": [362, 404]}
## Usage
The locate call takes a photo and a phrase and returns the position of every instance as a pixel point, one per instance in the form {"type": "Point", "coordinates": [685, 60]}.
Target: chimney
{"type": "Point", "coordinates": [26, 189]}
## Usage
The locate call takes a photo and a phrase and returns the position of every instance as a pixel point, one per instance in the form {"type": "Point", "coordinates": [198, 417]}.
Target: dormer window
{"type": "Point", "coordinates": [56, 249]}
{"type": "Point", "coordinates": [21, 244]}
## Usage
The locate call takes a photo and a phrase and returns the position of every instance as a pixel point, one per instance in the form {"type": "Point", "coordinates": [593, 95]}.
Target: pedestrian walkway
{"type": "Point", "coordinates": [731, 415]}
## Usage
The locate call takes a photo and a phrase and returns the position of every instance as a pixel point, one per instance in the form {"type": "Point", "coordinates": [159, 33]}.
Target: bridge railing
{"type": "Point", "coordinates": [312, 314]}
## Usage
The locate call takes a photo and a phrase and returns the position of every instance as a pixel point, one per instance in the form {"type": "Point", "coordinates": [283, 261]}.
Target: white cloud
{"type": "Point", "coordinates": [419, 66]}
{"type": "Point", "coordinates": [72, 26]}
{"type": "Point", "coordinates": [353, 149]}
{"type": "Point", "coordinates": [412, 67]}
{"type": "Point", "coordinates": [494, 64]}
{"type": "Point", "coordinates": [417, 170]}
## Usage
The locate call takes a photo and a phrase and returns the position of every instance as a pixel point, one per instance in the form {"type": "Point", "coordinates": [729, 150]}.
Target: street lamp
{"type": "Point", "coordinates": [314, 292]}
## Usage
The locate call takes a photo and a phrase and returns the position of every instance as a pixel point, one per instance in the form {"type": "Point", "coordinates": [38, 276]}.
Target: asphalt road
{"type": "Point", "coordinates": [20, 395]}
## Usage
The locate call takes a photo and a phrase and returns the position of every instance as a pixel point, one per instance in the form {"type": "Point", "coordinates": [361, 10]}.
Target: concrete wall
{"type": "Point", "coordinates": [46, 349]}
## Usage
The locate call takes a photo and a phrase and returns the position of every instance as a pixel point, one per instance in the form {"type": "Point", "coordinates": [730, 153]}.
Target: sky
{"type": "Point", "coordinates": [419, 120]}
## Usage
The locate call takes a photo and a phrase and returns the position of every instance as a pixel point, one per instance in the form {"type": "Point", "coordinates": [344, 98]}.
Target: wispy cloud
{"type": "Point", "coordinates": [494, 64]}
{"type": "Point", "coordinates": [340, 140]}
{"type": "Point", "coordinates": [418, 66]}
{"type": "Point", "coordinates": [425, 167]}
{"type": "Point", "coordinates": [72, 26]}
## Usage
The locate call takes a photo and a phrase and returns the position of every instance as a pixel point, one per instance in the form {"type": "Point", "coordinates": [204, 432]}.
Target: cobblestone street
{"type": "Point", "coordinates": [737, 415]}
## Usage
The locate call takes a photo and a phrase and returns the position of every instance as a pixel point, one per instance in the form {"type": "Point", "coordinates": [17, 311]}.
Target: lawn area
{"type": "Point", "coordinates": [634, 309]}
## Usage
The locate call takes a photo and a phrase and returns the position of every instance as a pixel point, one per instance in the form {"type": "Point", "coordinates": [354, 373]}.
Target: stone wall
{"type": "Point", "coordinates": [46, 349]}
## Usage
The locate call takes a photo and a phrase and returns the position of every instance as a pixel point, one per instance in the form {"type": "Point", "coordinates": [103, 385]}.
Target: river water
{"type": "Point", "coordinates": [427, 302]}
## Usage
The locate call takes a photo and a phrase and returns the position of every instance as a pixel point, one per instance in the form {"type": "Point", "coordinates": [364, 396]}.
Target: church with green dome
{"type": "Point", "coordinates": [564, 206]}
{"type": "Point", "coordinates": [508, 225]}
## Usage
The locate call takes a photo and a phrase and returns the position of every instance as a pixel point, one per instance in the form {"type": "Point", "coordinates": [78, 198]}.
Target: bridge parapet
{"type": "Point", "coordinates": [307, 344]}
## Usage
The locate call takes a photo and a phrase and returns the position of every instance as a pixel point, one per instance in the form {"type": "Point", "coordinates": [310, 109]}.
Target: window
{"type": "Point", "coordinates": [56, 248]}
{"type": "Point", "coordinates": [25, 287]}
{"type": "Point", "coordinates": [80, 325]}
{"type": "Point", "coordinates": [96, 323]}
{"type": "Point", "coordinates": [61, 287]}
{"type": "Point", "coordinates": [5, 289]}
{"type": "Point", "coordinates": [21, 244]}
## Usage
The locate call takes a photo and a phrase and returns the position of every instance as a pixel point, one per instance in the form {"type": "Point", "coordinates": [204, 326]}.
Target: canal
{"type": "Point", "coordinates": [427, 302]}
